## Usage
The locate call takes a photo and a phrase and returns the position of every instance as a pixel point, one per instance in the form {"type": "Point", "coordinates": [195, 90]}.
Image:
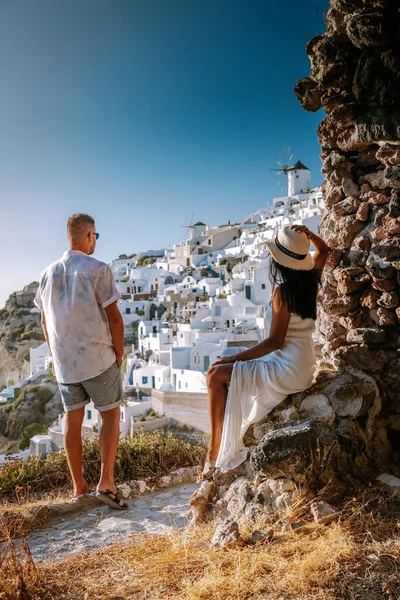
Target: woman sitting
{"type": "Point", "coordinates": [284, 363]}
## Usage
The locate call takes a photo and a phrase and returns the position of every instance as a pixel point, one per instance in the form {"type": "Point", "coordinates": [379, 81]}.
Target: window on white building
{"type": "Point", "coordinates": [89, 415]}
{"type": "Point", "coordinates": [145, 380]}
{"type": "Point", "coordinates": [263, 286]}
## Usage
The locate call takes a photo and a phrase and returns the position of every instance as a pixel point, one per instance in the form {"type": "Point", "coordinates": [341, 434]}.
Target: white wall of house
{"type": "Point", "coordinates": [209, 285]}
{"type": "Point", "coordinates": [150, 376]}
{"type": "Point", "coordinates": [180, 357]}
{"type": "Point", "coordinates": [131, 409]}
{"type": "Point", "coordinates": [187, 380]}
{"type": "Point", "coordinates": [299, 181]}
{"type": "Point", "coordinates": [161, 340]}
{"type": "Point", "coordinates": [37, 358]}
{"type": "Point", "coordinates": [91, 417]}
{"type": "Point", "coordinates": [40, 445]}
{"type": "Point", "coordinates": [188, 408]}
{"type": "Point", "coordinates": [203, 355]}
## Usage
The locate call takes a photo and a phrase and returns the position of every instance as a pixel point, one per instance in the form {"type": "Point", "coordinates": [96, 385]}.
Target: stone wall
{"type": "Point", "coordinates": [355, 77]}
{"type": "Point", "coordinates": [185, 407]}
{"type": "Point", "coordinates": [347, 426]}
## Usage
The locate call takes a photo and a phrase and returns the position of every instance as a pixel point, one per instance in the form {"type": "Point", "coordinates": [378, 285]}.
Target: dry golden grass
{"type": "Point", "coordinates": [355, 558]}
{"type": "Point", "coordinates": [17, 520]}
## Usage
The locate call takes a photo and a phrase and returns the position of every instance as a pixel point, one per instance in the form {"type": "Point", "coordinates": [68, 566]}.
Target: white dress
{"type": "Point", "coordinates": [258, 385]}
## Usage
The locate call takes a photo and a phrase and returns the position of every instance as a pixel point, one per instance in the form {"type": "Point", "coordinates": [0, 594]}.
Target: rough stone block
{"type": "Point", "coordinates": [362, 214]}
{"type": "Point", "coordinates": [227, 535]}
{"type": "Point", "coordinates": [389, 300]}
{"type": "Point", "coordinates": [317, 408]}
{"type": "Point", "coordinates": [292, 449]}
{"type": "Point", "coordinates": [323, 512]}
{"type": "Point", "coordinates": [366, 335]}
{"type": "Point", "coordinates": [351, 395]}
{"type": "Point", "coordinates": [361, 357]}
{"type": "Point", "coordinates": [369, 30]}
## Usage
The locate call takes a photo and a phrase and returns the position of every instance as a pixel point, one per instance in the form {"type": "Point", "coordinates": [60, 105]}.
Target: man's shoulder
{"type": "Point", "coordinates": [93, 264]}
{"type": "Point", "coordinates": [50, 269]}
{"type": "Point", "coordinates": [81, 263]}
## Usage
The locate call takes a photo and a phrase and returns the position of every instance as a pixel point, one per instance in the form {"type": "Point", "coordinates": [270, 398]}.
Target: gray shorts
{"type": "Point", "coordinates": [105, 390]}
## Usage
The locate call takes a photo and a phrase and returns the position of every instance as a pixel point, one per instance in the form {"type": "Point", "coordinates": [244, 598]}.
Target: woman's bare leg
{"type": "Point", "coordinates": [218, 378]}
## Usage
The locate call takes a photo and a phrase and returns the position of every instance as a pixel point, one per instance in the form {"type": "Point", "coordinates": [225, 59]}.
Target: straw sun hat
{"type": "Point", "coordinates": [291, 249]}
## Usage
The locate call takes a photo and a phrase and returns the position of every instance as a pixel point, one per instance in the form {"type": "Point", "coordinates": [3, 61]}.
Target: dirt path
{"type": "Point", "coordinates": [154, 513]}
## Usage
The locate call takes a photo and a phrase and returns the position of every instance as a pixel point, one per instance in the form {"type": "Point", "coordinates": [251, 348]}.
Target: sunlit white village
{"type": "Point", "coordinates": [185, 307]}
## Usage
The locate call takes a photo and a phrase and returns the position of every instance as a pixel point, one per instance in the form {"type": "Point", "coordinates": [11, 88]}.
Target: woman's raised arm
{"type": "Point", "coordinates": [321, 248]}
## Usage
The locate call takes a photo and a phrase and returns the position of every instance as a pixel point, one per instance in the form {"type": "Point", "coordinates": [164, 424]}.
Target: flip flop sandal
{"type": "Point", "coordinates": [112, 499]}
{"type": "Point", "coordinates": [208, 471]}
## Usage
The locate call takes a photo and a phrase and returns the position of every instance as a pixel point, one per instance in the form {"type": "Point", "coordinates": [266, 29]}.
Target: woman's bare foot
{"type": "Point", "coordinates": [208, 470]}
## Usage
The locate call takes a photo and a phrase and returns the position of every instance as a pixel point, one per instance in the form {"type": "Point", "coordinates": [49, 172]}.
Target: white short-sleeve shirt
{"type": "Point", "coordinates": [73, 293]}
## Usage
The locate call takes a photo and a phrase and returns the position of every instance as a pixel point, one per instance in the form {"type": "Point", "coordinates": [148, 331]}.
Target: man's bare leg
{"type": "Point", "coordinates": [218, 378]}
{"type": "Point", "coordinates": [109, 436]}
{"type": "Point", "coordinates": [73, 448]}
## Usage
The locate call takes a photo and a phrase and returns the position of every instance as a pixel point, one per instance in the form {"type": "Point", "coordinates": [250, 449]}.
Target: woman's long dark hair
{"type": "Point", "coordinates": [299, 289]}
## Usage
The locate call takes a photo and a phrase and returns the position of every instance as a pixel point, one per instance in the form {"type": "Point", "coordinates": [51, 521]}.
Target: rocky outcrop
{"type": "Point", "coordinates": [355, 77]}
{"type": "Point", "coordinates": [347, 426]}
{"type": "Point", "coordinates": [20, 330]}
{"type": "Point", "coordinates": [39, 403]}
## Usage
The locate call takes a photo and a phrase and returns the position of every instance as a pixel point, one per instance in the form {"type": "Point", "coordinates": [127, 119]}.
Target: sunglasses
{"type": "Point", "coordinates": [96, 234]}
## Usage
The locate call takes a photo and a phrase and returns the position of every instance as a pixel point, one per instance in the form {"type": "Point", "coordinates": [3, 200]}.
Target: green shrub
{"type": "Point", "coordinates": [17, 403]}
{"type": "Point", "coordinates": [30, 431]}
{"type": "Point", "coordinates": [141, 418]}
{"type": "Point", "coordinates": [32, 334]}
{"type": "Point", "coordinates": [41, 396]}
{"type": "Point", "coordinates": [7, 409]}
{"type": "Point", "coordinates": [146, 454]}
{"type": "Point", "coordinates": [144, 261]}
{"type": "Point", "coordinates": [42, 393]}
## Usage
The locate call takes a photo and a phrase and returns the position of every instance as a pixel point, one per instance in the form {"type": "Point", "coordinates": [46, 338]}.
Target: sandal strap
{"type": "Point", "coordinates": [210, 464]}
{"type": "Point", "coordinates": [116, 498]}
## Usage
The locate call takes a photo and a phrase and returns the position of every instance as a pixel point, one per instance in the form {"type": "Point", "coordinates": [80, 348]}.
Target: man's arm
{"type": "Point", "coordinates": [116, 325]}
{"type": "Point", "coordinates": [46, 335]}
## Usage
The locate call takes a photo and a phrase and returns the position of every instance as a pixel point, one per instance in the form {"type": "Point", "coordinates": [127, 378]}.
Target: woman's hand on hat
{"type": "Point", "coordinates": [302, 229]}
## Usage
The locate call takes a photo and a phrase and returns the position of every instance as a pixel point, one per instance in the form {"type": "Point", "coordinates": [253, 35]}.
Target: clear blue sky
{"type": "Point", "coordinates": [140, 112]}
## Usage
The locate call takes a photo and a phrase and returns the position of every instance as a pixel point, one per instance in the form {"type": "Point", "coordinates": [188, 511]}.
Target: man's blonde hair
{"type": "Point", "coordinates": [78, 227]}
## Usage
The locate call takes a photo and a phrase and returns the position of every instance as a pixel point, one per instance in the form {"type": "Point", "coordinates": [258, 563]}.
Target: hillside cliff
{"type": "Point", "coordinates": [39, 403]}
{"type": "Point", "coordinates": [20, 330]}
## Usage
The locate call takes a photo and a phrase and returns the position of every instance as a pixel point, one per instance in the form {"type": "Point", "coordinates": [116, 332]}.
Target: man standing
{"type": "Point", "coordinates": [85, 334]}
